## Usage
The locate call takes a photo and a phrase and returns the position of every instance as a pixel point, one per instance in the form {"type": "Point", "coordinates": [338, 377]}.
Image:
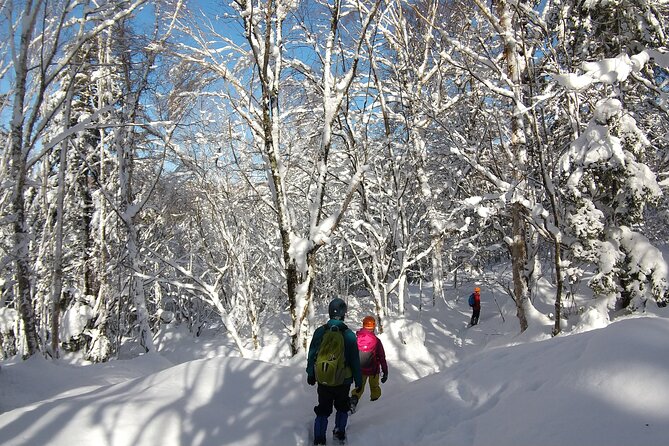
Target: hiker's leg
{"type": "Point", "coordinates": [323, 411]}
{"type": "Point", "coordinates": [320, 429]}
{"type": "Point", "coordinates": [341, 398]}
{"type": "Point", "coordinates": [362, 388]}
{"type": "Point", "coordinates": [342, 406]}
{"type": "Point", "coordinates": [341, 418]}
{"type": "Point", "coordinates": [374, 387]}
{"type": "Point", "coordinates": [326, 398]}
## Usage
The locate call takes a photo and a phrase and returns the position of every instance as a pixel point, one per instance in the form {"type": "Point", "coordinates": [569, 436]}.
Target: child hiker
{"type": "Point", "coordinates": [372, 358]}
{"type": "Point", "coordinates": [334, 363]}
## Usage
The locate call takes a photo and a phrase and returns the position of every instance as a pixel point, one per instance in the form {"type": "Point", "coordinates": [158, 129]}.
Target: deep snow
{"type": "Point", "coordinates": [598, 384]}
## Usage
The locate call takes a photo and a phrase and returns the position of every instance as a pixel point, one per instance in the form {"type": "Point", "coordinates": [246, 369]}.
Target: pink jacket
{"type": "Point", "coordinates": [372, 354]}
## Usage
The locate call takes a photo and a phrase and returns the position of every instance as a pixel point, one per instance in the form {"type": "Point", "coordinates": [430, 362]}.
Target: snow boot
{"type": "Point", "coordinates": [339, 431]}
{"type": "Point", "coordinates": [339, 436]}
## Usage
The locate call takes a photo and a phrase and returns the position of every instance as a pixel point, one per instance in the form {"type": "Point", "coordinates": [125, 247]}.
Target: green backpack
{"type": "Point", "coordinates": [330, 363]}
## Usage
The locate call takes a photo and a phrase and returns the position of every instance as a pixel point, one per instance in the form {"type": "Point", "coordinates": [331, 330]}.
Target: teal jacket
{"type": "Point", "coordinates": [351, 355]}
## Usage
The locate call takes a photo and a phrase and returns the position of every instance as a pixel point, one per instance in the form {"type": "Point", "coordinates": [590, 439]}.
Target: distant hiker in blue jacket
{"type": "Point", "coordinates": [334, 363]}
{"type": "Point", "coordinates": [475, 303]}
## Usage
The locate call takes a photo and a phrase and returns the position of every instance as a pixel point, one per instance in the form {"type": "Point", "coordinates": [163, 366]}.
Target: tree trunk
{"type": "Point", "coordinates": [129, 211]}
{"type": "Point", "coordinates": [96, 276]}
{"type": "Point", "coordinates": [518, 141]}
{"type": "Point", "coordinates": [437, 272]}
{"type": "Point", "coordinates": [558, 292]}
{"type": "Point", "coordinates": [18, 172]}
{"type": "Point", "coordinates": [518, 262]}
{"type": "Point", "coordinates": [380, 312]}
{"type": "Point", "coordinates": [57, 275]}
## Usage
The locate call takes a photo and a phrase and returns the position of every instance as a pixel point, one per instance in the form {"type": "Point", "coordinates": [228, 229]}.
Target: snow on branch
{"type": "Point", "coordinates": [606, 71]}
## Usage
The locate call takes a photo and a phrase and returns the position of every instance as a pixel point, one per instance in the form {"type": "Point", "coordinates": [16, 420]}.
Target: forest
{"type": "Point", "coordinates": [231, 162]}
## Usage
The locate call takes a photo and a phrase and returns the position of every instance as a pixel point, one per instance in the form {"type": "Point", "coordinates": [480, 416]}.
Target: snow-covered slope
{"type": "Point", "coordinates": [601, 387]}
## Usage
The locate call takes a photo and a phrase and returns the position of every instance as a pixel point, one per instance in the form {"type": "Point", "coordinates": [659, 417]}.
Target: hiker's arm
{"type": "Point", "coordinates": [313, 351]}
{"type": "Point", "coordinates": [353, 356]}
{"type": "Point", "coordinates": [381, 356]}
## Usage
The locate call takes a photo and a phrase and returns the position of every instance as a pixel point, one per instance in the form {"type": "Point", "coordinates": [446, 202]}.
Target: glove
{"type": "Point", "coordinates": [357, 391]}
{"type": "Point", "coordinates": [311, 380]}
{"type": "Point", "coordinates": [384, 378]}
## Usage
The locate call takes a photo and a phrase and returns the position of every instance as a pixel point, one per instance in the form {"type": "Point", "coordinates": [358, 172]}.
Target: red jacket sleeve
{"type": "Point", "coordinates": [381, 356]}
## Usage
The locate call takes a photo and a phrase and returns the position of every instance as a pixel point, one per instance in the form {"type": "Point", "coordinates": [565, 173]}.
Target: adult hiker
{"type": "Point", "coordinates": [334, 364]}
{"type": "Point", "coordinates": [475, 303]}
{"type": "Point", "coordinates": [372, 361]}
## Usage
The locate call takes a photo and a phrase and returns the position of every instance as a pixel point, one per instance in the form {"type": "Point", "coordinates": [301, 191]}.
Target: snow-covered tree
{"type": "Point", "coordinates": [609, 190]}
{"type": "Point", "coordinates": [257, 87]}
{"type": "Point", "coordinates": [490, 130]}
{"type": "Point", "coordinates": [43, 45]}
{"type": "Point", "coordinates": [614, 84]}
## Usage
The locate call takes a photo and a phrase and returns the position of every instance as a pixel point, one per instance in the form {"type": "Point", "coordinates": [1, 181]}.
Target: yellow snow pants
{"type": "Point", "coordinates": [374, 387]}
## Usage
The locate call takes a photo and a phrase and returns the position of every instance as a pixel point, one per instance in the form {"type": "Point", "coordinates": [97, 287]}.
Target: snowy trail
{"type": "Point", "coordinates": [447, 385]}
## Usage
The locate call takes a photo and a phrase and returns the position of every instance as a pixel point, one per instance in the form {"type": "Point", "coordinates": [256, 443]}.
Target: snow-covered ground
{"type": "Point", "coordinates": [598, 384]}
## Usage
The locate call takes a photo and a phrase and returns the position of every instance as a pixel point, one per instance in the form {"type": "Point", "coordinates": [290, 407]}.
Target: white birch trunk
{"type": "Point", "coordinates": [518, 247]}
{"type": "Point", "coordinates": [435, 222]}
{"type": "Point", "coordinates": [128, 214]}
{"type": "Point", "coordinates": [102, 345]}
{"type": "Point", "coordinates": [18, 167]}
{"type": "Point", "coordinates": [57, 276]}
